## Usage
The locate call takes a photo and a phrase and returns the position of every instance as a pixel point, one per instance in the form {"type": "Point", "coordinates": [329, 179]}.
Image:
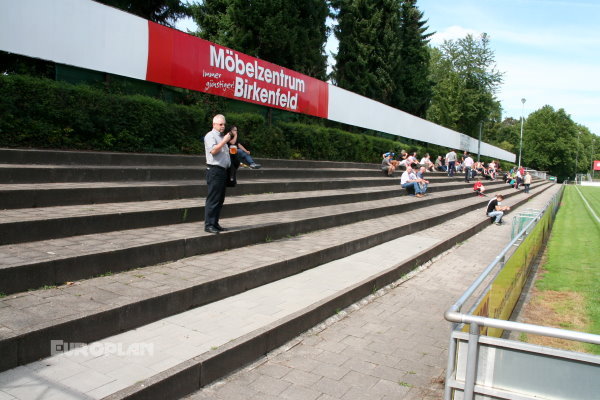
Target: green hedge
{"type": "Point", "coordinates": [37, 112]}
{"type": "Point", "coordinates": [42, 113]}
{"type": "Point", "coordinates": [321, 143]}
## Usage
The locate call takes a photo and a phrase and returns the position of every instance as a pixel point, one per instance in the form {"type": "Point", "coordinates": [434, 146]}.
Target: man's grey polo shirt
{"type": "Point", "coordinates": [220, 159]}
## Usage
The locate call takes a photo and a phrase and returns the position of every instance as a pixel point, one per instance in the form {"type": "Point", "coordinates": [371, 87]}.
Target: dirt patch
{"type": "Point", "coordinates": [565, 310]}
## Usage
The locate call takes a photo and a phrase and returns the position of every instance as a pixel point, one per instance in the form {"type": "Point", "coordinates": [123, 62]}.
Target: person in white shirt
{"type": "Point", "coordinates": [217, 160]}
{"type": "Point", "coordinates": [467, 164]}
{"type": "Point", "coordinates": [409, 181]}
{"type": "Point", "coordinates": [450, 162]}
{"type": "Point", "coordinates": [426, 162]}
{"type": "Point", "coordinates": [492, 169]}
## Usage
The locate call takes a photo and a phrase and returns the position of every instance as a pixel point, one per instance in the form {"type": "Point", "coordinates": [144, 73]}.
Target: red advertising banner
{"type": "Point", "coordinates": [597, 165]}
{"type": "Point", "coordinates": [178, 59]}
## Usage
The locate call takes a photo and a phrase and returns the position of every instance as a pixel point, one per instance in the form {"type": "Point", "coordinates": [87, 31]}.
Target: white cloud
{"type": "Point", "coordinates": [452, 33]}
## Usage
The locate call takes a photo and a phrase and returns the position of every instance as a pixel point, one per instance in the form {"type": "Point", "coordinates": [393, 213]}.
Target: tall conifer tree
{"type": "Point", "coordinates": [414, 86]}
{"type": "Point", "coordinates": [369, 47]}
{"type": "Point", "coordinates": [164, 12]}
{"type": "Point", "coordinates": [285, 32]}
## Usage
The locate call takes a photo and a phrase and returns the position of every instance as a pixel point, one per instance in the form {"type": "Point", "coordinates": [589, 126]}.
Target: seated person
{"type": "Point", "coordinates": [392, 157]}
{"type": "Point", "coordinates": [410, 182]}
{"type": "Point", "coordinates": [426, 162]}
{"type": "Point", "coordinates": [424, 182]}
{"type": "Point", "coordinates": [440, 164]}
{"type": "Point", "coordinates": [388, 165]}
{"type": "Point", "coordinates": [243, 154]}
{"type": "Point", "coordinates": [412, 160]}
{"type": "Point", "coordinates": [492, 169]}
{"type": "Point", "coordinates": [479, 189]}
{"type": "Point", "coordinates": [495, 209]}
{"type": "Point", "coordinates": [403, 159]}
{"type": "Point", "coordinates": [479, 168]}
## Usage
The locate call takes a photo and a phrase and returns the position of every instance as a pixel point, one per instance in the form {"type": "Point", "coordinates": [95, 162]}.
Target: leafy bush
{"type": "Point", "coordinates": [37, 112]}
{"type": "Point", "coordinates": [316, 142]}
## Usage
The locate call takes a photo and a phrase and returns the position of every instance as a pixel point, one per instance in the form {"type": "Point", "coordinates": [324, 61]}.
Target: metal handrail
{"type": "Point", "coordinates": [458, 317]}
{"type": "Point", "coordinates": [454, 314]}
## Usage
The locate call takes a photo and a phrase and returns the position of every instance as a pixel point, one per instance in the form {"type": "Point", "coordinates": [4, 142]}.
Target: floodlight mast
{"type": "Point", "coordinates": [521, 142]}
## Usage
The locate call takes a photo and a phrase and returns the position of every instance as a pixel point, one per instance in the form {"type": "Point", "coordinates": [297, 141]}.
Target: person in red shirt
{"type": "Point", "coordinates": [479, 189]}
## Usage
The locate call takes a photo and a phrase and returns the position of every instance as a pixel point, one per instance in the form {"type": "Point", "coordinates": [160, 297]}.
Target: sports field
{"type": "Point", "coordinates": [567, 291]}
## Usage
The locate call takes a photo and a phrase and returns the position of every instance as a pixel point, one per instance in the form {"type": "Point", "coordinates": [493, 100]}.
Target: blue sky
{"type": "Point", "coordinates": [549, 50]}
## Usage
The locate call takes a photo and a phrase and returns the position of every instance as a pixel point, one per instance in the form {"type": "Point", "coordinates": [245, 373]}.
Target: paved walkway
{"type": "Point", "coordinates": [392, 345]}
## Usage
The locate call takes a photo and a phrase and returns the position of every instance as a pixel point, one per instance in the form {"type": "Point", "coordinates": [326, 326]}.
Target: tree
{"type": "Point", "coordinates": [213, 20]}
{"type": "Point", "coordinates": [465, 82]}
{"type": "Point", "coordinates": [550, 142]}
{"type": "Point", "coordinates": [504, 134]}
{"type": "Point", "coordinates": [368, 58]}
{"type": "Point", "coordinates": [285, 32]}
{"type": "Point", "coordinates": [585, 144]}
{"type": "Point", "coordinates": [414, 86]}
{"type": "Point", "coordinates": [164, 12]}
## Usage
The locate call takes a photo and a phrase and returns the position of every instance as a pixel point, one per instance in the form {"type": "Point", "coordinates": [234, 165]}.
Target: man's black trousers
{"type": "Point", "coordinates": [216, 181]}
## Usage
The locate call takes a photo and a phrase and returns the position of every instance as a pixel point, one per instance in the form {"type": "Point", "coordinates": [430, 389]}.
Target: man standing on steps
{"type": "Point", "coordinates": [451, 162]}
{"type": "Point", "coordinates": [217, 160]}
{"type": "Point", "coordinates": [468, 164]}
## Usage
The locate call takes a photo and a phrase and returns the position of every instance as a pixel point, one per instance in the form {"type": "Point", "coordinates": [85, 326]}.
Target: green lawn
{"type": "Point", "coordinates": [592, 195]}
{"type": "Point", "coordinates": [573, 254]}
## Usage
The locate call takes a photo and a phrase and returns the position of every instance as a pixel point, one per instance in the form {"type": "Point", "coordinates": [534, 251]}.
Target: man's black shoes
{"type": "Point", "coordinates": [211, 229]}
{"type": "Point", "coordinates": [214, 229]}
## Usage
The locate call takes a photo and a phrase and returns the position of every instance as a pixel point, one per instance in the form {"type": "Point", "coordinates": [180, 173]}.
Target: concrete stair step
{"type": "Point", "coordinates": [44, 223]}
{"type": "Point", "coordinates": [31, 265]}
{"type": "Point", "coordinates": [28, 195]}
{"type": "Point", "coordinates": [28, 173]}
{"type": "Point", "coordinates": [203, 344]}
{"type": "Point", "coordinates": [65, 157]}
{"type": "Point", "coordinates": [15, 196]}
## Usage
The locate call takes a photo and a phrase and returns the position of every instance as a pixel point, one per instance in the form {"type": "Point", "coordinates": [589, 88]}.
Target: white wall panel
{"type": "Point", "coordinates": [81, 33]}
{"type": "Point", "coordinates": [353, 109]}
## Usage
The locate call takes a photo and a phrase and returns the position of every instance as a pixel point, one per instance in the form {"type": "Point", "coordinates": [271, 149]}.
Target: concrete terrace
{"type": "Point", "coordinates": [109, 249]}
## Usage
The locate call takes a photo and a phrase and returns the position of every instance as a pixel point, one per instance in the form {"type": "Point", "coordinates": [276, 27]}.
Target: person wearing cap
{"type": "Point", "coordinates": [388, 164]}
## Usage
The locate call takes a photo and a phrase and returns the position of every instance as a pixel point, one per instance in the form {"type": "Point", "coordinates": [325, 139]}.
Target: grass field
{"type": "Point", "coordinates": [567, 292]}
